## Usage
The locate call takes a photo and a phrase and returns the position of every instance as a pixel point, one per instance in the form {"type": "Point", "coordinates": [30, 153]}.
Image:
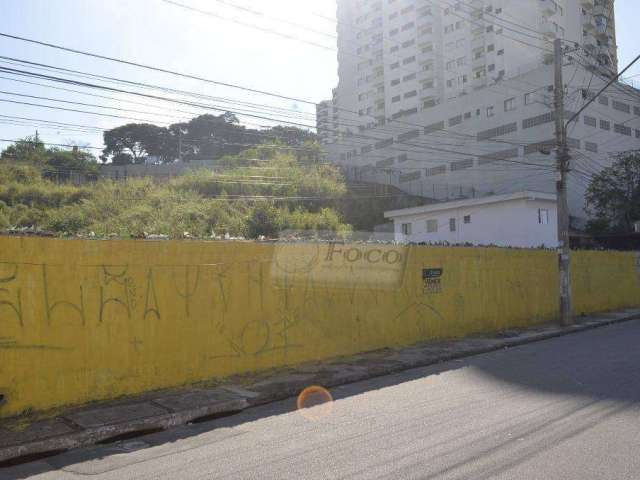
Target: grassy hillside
{"type": "Point", "coordinates": [299, 195]}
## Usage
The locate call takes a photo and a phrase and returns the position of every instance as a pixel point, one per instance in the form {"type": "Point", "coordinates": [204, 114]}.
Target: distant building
{"type": "Point", "coordinates": [327, 118]}
{"type": "Point", "coordinates": [521, 219]}
{"type": "Point", "coordinates": [636, 227]}
{"type": "Point", "coordinates": [455, 99]}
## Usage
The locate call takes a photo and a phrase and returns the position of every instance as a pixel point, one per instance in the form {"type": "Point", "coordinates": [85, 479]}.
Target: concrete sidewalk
{"type": "Point", "coordinates": [23, 439]}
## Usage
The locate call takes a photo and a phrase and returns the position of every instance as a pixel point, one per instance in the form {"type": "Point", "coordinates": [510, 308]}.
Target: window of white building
{"type": "Point", "coordinates": [432, 226]}
{"type": "Point", "coordinates": [543, 216]}
{"type": "Point", "coordinates": [509, 104]}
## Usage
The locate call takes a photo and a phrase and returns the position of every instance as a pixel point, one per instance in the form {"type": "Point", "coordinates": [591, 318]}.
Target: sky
{"type": "Point", "coordinates": [216, 47]}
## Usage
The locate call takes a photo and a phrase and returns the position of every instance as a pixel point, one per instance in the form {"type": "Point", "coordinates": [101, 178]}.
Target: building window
{"type": "Point", "coordinates": [605, 125]}
{"type": "Point", "coordinates": [509, 104]}
{"type": "Point", "coordinates": [620, 106]}
{"type": "Point", "coordinates": [591, 147]}
{"type": "Point", "coordinates": [590, 121]}
{"type": "Point", "coordinates": [622, 129]}
{"type": "Point", "coordinates": [490, 111]}
{"type": "Point", "coordinates": [452, 224]}
{"type": "Point", "coordinates": [407, 26]}
{"type": "Point", "coordinates": [543, 216]}
{"type": "Point", "coordinates": [467, 219]}
{"type": "Point", "coordinates": [406, 229]}
{"type": "Point", "coordinates": [432, 226]}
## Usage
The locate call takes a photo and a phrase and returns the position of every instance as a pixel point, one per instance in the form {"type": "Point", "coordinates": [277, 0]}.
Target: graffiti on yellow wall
{"type": "Point", "coordinates": [87, 320]}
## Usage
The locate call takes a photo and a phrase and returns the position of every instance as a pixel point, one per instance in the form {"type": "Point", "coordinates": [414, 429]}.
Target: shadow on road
{"type": "Point", "coordinates": [593, 366]}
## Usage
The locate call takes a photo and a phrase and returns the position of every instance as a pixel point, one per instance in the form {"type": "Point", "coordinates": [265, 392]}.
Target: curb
{"type": "Point", "coordinates": [279, 387]}
{"type": "Point", "coordinates": [96, 435]}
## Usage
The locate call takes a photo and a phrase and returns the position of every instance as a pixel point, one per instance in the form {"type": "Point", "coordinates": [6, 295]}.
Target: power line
{"type": "Point", "coordinates": [5, 140]}
{"type": "Point", "coordinates": [156, 97]}
{"type": "Point", "coordinates": [84, 84]}
{"type": "Point", "coordinates": [156, 69]}
{"type": "Point", "coordinates": [276, 19]}
{"type": "Point", "coordinates": [171, 72]}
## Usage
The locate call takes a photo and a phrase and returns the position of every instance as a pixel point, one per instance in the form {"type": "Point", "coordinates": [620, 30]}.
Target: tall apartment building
{"type": "Point", "coordinates": [327, 119]}
{"type": "Point", "coordinates": [419, 79]}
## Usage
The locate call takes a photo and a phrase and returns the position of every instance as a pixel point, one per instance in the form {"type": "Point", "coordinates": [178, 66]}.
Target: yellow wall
{"type": "Point", "coordinates": [87, 320]}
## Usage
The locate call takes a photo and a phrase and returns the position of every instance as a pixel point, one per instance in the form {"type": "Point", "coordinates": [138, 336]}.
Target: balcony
{"type": "Point", "coordinates": [478, 60]}
{"type": "Point", "coordinates": [548, 7]}
{"type": "Point", "coordinates": [588, 25]}
{"type": "Point", "coordinates": [477, 42]}
{"type": "Point", "coordinates": [425, 57]}
{"type": "Point", "coordinates": [549, 29]}
{"type": "Point", "coordinates": [602, 35]}
{"type": "Point", "coordinates": [602, 9]}
{"type": "Point", "coordinates": [428, 90]}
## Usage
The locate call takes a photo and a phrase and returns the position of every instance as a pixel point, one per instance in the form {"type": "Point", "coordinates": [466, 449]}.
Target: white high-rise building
{"type": "Point", "coordinates": [450, 98]}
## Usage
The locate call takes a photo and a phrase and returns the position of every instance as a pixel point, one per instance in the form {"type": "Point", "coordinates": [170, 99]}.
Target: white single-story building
{"type": "Point", "coordinates": [522, 219]}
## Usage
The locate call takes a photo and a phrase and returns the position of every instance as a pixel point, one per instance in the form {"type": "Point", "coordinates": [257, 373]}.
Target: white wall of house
{"type": "Point", "coordinates": [524, 219]}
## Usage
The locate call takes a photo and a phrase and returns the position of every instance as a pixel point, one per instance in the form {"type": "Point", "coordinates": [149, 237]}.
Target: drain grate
{"type": "Point", "coordinates": [130, 435]}
{"type": "Point", "coordinates": [213, 416]}
{"type": "Point", "coordinates": [31, 457]}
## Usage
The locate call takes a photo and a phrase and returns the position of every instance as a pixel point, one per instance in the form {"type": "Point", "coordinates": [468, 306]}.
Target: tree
{"type": "Point", "coordinates": [292, 136]}
{"type": "Point", "coordinates": [209, 136]}
{"type": "Point", "coordinates": [613, 195]}
{"type": "Point", "coordinates": [28, 150]}
{"type": "Point", "coordinates": [64, 164]}
{"type": "Point", "coordinates": [138, 140]}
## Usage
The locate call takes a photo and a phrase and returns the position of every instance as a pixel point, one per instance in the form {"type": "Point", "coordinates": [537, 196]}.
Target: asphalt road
{"type": "Point", "coordinates": [566, 408]}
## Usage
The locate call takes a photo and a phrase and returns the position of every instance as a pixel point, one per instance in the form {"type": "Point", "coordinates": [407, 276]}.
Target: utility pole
{"type": "Point", "coordinates": [562, 152]}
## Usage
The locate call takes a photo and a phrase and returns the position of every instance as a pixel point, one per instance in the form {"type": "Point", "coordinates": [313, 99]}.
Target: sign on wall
{"type": "Point", "coordinates": [432, 280]}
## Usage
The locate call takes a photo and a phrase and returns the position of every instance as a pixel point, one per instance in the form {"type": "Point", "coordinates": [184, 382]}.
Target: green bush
{"type": "Point", "coordinates": [4, 219]}
{"type": "Point", "coordinates": [68, 219]}
{"type": "Point", "coordinates": [265, 220]}
{"type": "Point", "coordinates": [24, 216]}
